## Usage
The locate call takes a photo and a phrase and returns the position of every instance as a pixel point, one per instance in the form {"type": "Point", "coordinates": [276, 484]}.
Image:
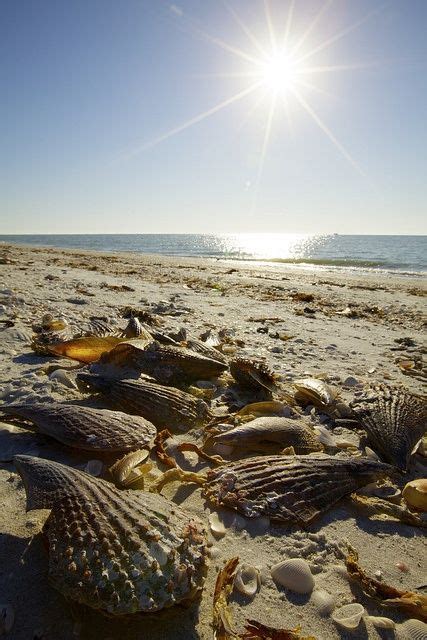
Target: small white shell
{"type": "Point", "coordinates": [247, 580]}
{"type": "Point", "coordinates": [7, 618]}
{"type": "Point", "coordinates": [381, 623]}
{"type": "Point", "coordinates": [348, 616]}
{"type": "Point", "coordinates": [62, 376]}
{"type": "Point", "coordinates": [216, 525]}
{"type": "Point", "coordinates": [294, 574]}
{"type": "Point", "coordinates": [412, 630]}
{"type": "Point", "coordinates": [94, 467]}
{"type": "Point", "coordinates": [323, 601]}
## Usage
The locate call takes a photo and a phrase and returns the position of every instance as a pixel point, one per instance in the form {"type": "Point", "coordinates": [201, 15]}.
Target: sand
{"type": "Point", "coordinates": [342, 325]}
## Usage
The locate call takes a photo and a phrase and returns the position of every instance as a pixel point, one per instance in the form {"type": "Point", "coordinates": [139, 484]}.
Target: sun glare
{"type": "Point", "coordinates": [280, 73]}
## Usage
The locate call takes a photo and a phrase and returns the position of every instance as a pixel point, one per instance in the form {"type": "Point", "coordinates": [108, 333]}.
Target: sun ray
{"type": "Point", "coordinates": [311, 27]}
{"type": "Point", "coordinates": [339, 35]}
{"type": "Point", "coordinates": [326, 130]}
{"type": "Point", "coordinates": [313, 87]}
{"type": "Point", "coordinates": [249, 113]}
{"type": "Point", "coordinates": [270, 26]}
{"type": "Point", "coordinates": [267, 133]}
{"type": "Point", "coordinates": [245, 29]}
{"type": "Point", "coordinates": [288, 23]}
{"type": "Point", "coordinates": [339, 67]}
{"type": "Point", "coordinates": [222, 44]}
{"type": "Point", "coordinates": [195, 120]}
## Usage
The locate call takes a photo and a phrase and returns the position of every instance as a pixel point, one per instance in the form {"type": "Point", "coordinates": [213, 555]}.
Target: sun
{"type": "Point", "coordinates": [279, 73]}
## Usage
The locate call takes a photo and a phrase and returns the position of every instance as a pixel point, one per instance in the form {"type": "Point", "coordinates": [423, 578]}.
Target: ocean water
{"type": "Point", "coordinates": [389, 253]}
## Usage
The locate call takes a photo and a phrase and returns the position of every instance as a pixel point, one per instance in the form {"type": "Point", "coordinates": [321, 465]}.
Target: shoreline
{"type": "Point", "coordinates": [346, 328]}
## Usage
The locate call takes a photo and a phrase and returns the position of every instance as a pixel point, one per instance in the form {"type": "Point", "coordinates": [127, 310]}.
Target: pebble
{"type": "Point", "coordinates": [350, 382]}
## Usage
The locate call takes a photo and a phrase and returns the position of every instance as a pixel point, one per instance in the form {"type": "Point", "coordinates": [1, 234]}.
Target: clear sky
{"type": "Point", "coordinates": [324, 126]}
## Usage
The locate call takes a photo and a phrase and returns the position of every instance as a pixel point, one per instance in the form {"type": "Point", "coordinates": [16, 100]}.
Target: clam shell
{"type": "Point", "coordinates": [394, 420]}
{"type": "Point", "coordinates": [7, 618]}
{"type": "Point", "coordinates": [114, 550]}
{"type": "Point", "coordinates": [165, 407]}
{"type": "Point", "coordinates": [285, 488]}
{"type": "Point", "coordinates": [323, 601]}
{"type": "Point", "coordinates": [381, 623]}
{"type": "Point", "coordinates": [325, 437]}
{"type": "Point", "coordinates": [415, 494]}
{"type": "Point", "coordinates": [247, 580]}
{"type": "Point", "coordinates": [294, 574]}
{"type": "Point", "coordinates": [412, 629]}
{"type": "Point", "coordinates": [348, 616]}
{"type": "Point", "coordinates": [316, 392]}
{"type": "Point", "coordinates": [216, 525]}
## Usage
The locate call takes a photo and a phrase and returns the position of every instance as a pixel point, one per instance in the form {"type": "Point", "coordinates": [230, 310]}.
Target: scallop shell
{"type": "Point", "coordinates": [294, 574]}
{"type": "Point", "coordinates": [253, 375]}
{"type": "Point", "coordinates": [247, 580]}
{"type": "Point", "coordinates": [348, 616]}
{"type": "Point", "coordinates": [394, 420]}
{"type": "Point", "coordinates": [412, 629]}
{"type": "Point", "coordinates": [216, 525]}
{"type": "Point", "coordinates": [323, 601]}
{"type": "Point", "coordinates": [381, 623]}
{"type": "Point", "coordinates": [415, 494]}
{"type": "Point", "coordinates": [7, 618]}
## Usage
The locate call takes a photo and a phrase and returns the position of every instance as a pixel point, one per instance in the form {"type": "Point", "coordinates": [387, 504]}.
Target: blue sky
{"type": "Point", "coordinates": [89, 86]}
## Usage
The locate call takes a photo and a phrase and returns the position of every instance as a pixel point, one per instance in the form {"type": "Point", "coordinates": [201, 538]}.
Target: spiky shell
{"type": "Point", "coordinates": [394, 420]}
{"type": "Point", "coordinates": [165, 363]}
{"type": "Point", "coordinates": [281, 432]}
{"type": "Point", "coordinates": [295, 489]}
{"type": "Point", "coordinates": [163, 406]}
{"type": "Point", "coordinates": [198, 346]}
{"type": "Point", "coordinates": [254, 375]}
{"type": "Point", "coordinates": [117, 551]}
{"type": "Point", "coordinates": [86, 428]}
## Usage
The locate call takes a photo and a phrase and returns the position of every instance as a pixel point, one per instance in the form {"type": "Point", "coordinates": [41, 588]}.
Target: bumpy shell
{"type": "Point", "coordinates": [394, 420]}
{"type": "Point", "coordinates": [165, 407]}
{"type": "Point", "coordinates": [412, 630]}
{"type": "Point", "coordinates": [298, 488]}
{"type": "Point", "coordinates": [253, 375]}
{"type": "Point", "coordinates": [117, 551]}
{"type": "Point", "coordinates": [271, 432]}
{"type": "Point", "coordinates": [294, 574]}
{"type": "Point", "coordinates": [166, 363]}
{"type": "Point", "coordinates": [86, 428]}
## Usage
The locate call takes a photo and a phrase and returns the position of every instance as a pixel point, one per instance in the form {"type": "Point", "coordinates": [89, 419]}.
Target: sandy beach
{"type": "Point", "coordinates": [347, 327]}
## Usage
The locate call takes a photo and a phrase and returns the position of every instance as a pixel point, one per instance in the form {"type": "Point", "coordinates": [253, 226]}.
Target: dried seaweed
{"type": "Point", "coordinates": [159, 448]}
{"type": "Point", "coordinates": [413, 604]}
{"type": "Point", "coordinates": [222, 620]}
{"type": "Point", "coordinates": [257, 631]}
{"type": "Point", "coordinates": [384, 510]}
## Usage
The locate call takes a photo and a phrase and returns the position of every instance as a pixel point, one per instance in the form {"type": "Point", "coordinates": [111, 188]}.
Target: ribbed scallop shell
{"type": "Point", "coordinates": [86, 428]}
{"type": "Point", "coordinates": [166, 407]}
{"type": "Point", "coordinates": [294, 574]}
{"type": "Point", "coordinates": [117, 551]}
{"type": "Point", "coordinates": [276, 432]}
{"type": "Point", "coordinates": [394, 420]}
{"type": "Point", "coordinates": [166, 363]}
{"type": "Point", "coordinates": [412, 629]}
{"type": "Point", "coordinates": [296, 488]}
{"type": "Point", "coordinates": [198, 346]}
{"type": "Point", "coordinates": [254, 375]}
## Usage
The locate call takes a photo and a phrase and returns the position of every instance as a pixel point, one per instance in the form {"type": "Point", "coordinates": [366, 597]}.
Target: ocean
{"type": "Point", "coordinates": [407, 254]}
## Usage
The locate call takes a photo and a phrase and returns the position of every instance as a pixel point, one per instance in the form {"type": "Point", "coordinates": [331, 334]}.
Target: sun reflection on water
{"type": "Point", "coordinates": [279, 246]}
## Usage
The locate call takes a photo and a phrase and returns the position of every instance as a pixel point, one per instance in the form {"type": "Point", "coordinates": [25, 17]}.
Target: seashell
{"type": "Point", "coordinates": [370, 453]}
{"type": "Point", "coordinates": [15, 441]}
{"type": "Point", "coordinates": [62, 376]}
{"type": "Point", "coordinates": [121, 469]}
{"type": "Point", "coordinates": [7, 618]}
{"type": "Point", "coordinates": [394, 421]}
{"type": "Point", "coordinates": [348, 616]}
{"type": "Point", "coordinates": [116, 551]}
{"type": "Point", "coordinates": [412, 629]}
{"type": "Point", "coordinates": [87, 349]}
{"type": "Point", "coordinates": [86, 428]}
{"type": "Point", "coordinates": [415, 494]}
{"type": "Point", "coordinates": [165, 407]}
{"type": "Point", "coordinates": [325, 436]}
{"type": "Point", "coordinates": [216, 525]}
{"type": "Point", "coordinates": [269, 434]}
{"type": "Point", "coordinates": [381, 623]}
{"type": "Point", "coordinates": [94, 467]}
{"type": "Point", "coordinates": [199, 346]}
{"type": "Point", "coordinates": [285, 488]}
{"type": "Point", "coordinates": [315, 392]}
{"type": "Point", "coordinates": [323, 601]}
{"type": "Point", "coordinates": [166, 363]}
{"type": "Point", "coordinates": [247, 580]}
{"type": "Point", "coordinates": [402, 566]}
{"type": "Point", "coordinates": [253, 375]}
{"type": "Point", "coordinates": [268, 408]}
{"type": "Point", "coordinates": [229, 349]}
{"type": "Point", "coordinates": [222, 449]}
{"type": "Point", "coordinates": [294, 574]}
{"type": "Point", "coordinates": [387, 492]}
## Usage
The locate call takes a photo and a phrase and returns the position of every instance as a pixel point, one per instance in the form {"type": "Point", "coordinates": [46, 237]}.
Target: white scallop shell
{"type": "Point", "coordinates": [348, 616]}
{"type": "Point", "coordinates": [247, 580]}
{"type": "Point", "coordinates": [412, 630]}
{"type": "Point", "coordinates": [7, 618]}
{"type": "Point", "coordinates": [381, 623]}
{"type": "Point", "coordinates": [323, 601]}
{"type": "Point", "coordinates": [294, 574]}
{"type": "Point", "coordinates": [216, 525]}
